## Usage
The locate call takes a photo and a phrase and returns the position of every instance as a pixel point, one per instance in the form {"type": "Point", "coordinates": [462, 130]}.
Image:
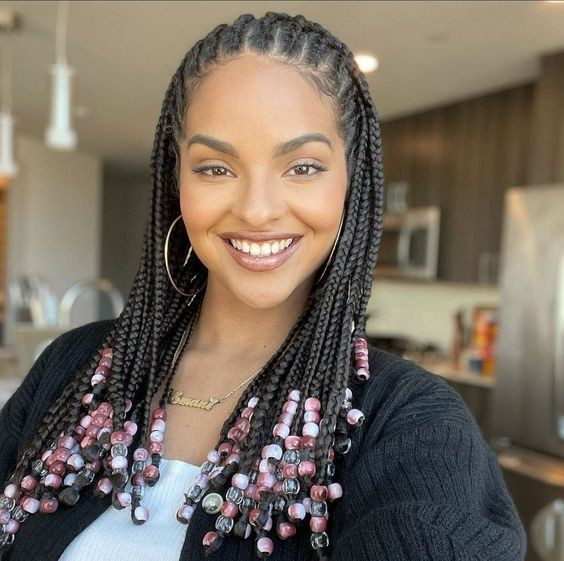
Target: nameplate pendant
{"type": "Point", "coordinates": [176, 397]}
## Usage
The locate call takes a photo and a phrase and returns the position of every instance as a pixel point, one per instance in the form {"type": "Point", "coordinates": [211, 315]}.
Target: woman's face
{"type": "Point", "coordinates": [244, 173]}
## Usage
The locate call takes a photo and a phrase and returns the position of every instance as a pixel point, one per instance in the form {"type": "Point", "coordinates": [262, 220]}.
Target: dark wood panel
{"type": "Point", "coordinates": [462, 157]}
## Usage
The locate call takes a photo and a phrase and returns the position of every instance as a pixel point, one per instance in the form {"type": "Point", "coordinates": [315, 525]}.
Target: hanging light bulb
{"type": "Point", "coordinates": [60, 135]}
{"type": "Point", "coordinates": [8, 167]}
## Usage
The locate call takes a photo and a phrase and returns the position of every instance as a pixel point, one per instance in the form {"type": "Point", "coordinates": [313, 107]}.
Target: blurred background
{"type": "Point", "coordinates": [470, 277]}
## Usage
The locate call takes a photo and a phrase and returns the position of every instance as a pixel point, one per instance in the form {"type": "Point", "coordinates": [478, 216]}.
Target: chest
{"type": "Point", "coordinates": [192, 431]}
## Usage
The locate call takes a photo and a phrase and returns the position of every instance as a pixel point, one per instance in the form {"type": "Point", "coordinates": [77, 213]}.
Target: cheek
{"type": "Point", "coordinates": [322, 212]}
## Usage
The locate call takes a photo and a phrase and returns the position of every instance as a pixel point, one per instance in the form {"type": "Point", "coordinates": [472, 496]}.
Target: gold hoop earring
{"type": "Point", "coordinates": [332, 249]}
{"type": "Point", "coordinates": [185, 261]}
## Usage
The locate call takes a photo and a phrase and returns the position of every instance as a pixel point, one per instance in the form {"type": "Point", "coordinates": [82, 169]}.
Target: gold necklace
{"type": "Point", "coordinates": [176, 397]}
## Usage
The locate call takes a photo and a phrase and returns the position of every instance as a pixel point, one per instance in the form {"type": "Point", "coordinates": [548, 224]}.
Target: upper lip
{"type": "Point", "coordinates": [259, 236]}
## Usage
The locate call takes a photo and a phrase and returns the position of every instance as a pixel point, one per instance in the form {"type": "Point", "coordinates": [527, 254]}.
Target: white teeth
{"type": "Point", "coordinates": [263, 249]}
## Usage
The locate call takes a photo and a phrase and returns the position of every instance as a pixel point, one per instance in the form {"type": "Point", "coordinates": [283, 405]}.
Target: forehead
{"type": "Point", "coordinates": [254, 96]}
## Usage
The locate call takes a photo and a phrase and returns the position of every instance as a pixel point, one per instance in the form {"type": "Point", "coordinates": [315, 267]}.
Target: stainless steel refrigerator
{"type": "Point", "coordinates": [527, 407]}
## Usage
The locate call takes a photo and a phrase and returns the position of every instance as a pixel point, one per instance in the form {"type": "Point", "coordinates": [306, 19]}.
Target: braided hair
{"type": "Point", "coordinates": [323, 354]}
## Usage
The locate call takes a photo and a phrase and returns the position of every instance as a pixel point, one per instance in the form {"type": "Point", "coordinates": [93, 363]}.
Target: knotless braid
{"type": "Point", "coordinates": [278, 446]}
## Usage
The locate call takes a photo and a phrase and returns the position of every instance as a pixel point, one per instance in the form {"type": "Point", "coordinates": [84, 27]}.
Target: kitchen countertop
{"type": "Point", "coordinates": [447, 370]}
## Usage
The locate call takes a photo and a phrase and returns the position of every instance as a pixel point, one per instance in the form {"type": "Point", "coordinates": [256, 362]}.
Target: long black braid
{"type": "Point", "coordinates": [315, 357]}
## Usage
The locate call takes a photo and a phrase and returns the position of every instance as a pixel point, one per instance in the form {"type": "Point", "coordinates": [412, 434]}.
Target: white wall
{"type": "Point", "coordinates": [54, 222]}
{"type": "Point", "coordinates": [423, 311]}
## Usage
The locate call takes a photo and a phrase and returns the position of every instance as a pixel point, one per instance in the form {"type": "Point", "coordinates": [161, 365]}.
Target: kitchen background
{"type": "Point", "coordinates": [470, 279]}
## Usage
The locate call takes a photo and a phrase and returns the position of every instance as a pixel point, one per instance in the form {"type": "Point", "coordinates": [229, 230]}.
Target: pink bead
{"type": "Point", "coordinates": [213, 456]}
{"type": "Point", "coordinates": [156, 436]}
{"type": "Point", "coordinates": [48, 505]}
{"type": "Point", "coordinates": [107, 352]}
{"type": "Point", "coordinates": [318, 492]}
{"type": "Point", "coordinates": [229, 509]}
{"type": "Point", "coordinates": [124, 499]}
{"type": "Point", "coordinates": [234, 433]}
{"type": "Point", "coordinates": [266, 479]}
{"type": "Point", "coordinates": [266, 467]}
{"type": "Point", "coordinates": [105, 485]}
{"type": "Point", "coordinates": [312, 404]}
{"type": "Point", "coordinates": [296, 511]}
{"type": "Point", "coordinates": [292, 442]}
{"type": "Point", "coordinates": [290, 471]}
{"type": "Point", "coordinates": [92, 431]}
{"type": "Point", "coordinates": [29, 483]}
{"type": "Point", "coordinates": [103, 371]}
{"type": "Point", "coordinates": [131, 428]}
{"type": "Point", "coordinates": [355, 417]}
{"type": "Point", "coordinates": [105, 361]}
{"type": "Point", "coordinates": [46, 454]}
{"type": "Point", "coordinates": [310, 429]}
{"type": "Point", "coordinates": [137, 479]}
{"type": "Point", "coordinates": [272, 451]}
{"type": "Point", "coordinates": [141, 455]}
{"type": "Point", "coordinates": [66, 441]}
{"type": "Point", "coordinates": [265, 545]}
{"type": "Point", "coordinates": [224, 449]}
{"type": "Point", "coordinates": [94, 466]}
{"type": "Point", "coordinates": [4, 516]}
{"type": "Point", "coordinates": [290, 407]}
{"type": "Point", "coordinates": [105, 408]}
{"type": "Point", "coordinates": [58, 468]}
{"type": "Point", "coordinates": [363, 373]}
{"type": "Point", "coordinates": [156, 448]}
{"type": "Point", "coordinates": [109, 423]}
{"type": "Point", "coordinates": [151, 472]}
{"type": "Point", "coordinates": [282, 430]}
{"type": "Point", "coordinates": [202, 480]}
{"type": "Point", "coordinates": [306, 467]}
{"type": "Point", "coordinates": [85, 421]}
{"type": "Point", "coordinates": [119, 462]}
{"type": "Point", "coordinates": [87, 441]}
{"type": "Point", "coordinates": [240, 481]}
{"type": "Point", "coordinates": [99, 420]}
{"type": "Point", "coordinates": [141, 513]}
{"type": "Point", "coordinates": [250, 490]}
{"type": "Point", "coordinates": [209, 538]}
{"type": "Point", "coordinates": [253, 402]}
{"type": "Point", "coordinates": [79, 432]}
{"type": "Point", "coordinates": [277, 487]}
{"type": "Point", "coordinates": [312, 417]}
{"type": "Point", "coordinates": [334, 491]}
{"type": "Point", "coordinates": [233, 458]}
{"type": "Point", "coordinates": [159, 413]}
{"type": "Point", "coordinates": [11, 490]}
{"type": "Point", "coordinates": [294, 395]}
{"type": "Point", "coordinates": [128, 404]}
{"type": "Point", "coordinates": [247, 413]}
{"type": "Point", "coordinates": [286, 530]}
{"type": "Point", "coordinates": [87, 398]}
{"type": "Point", "coordinates": [185, 512]}
{"type": "Point", "coordinates": [117, 437]}
{"type": "Point", "coordinates": [318, 523]}
{"type": "Point", "coordinates": [31, 505]}
{"type": "Point", "coordinates": [158, 424]}
{"type": "Point", "coordinates": [12, 526]}
{"type": "Point", "coordinates": [286, 418]}
{"type": "Point", "coordinates": [128, 439]}
{"type": "Point", "coordinates": [96, 379]}
{"type": "Point", "coordinates": [243, 424]}
{"type": "Point", "coordinates": [53, 480]}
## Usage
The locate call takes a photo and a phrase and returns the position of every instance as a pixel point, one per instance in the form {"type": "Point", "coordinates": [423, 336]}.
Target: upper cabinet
{"type": "Point", "coordinates": [463, 156]}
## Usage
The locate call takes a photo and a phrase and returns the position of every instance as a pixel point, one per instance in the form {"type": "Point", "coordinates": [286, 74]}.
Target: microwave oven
{"type": "Point", "coordinates": [409, 247]}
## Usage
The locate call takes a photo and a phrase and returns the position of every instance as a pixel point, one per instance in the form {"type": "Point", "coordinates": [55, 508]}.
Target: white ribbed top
{"type": "Point", "coordinates": [160, 537]}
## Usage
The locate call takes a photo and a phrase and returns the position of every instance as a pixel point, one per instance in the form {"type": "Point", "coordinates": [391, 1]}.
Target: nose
{"type": "Point", "coordinates": [259, 201]}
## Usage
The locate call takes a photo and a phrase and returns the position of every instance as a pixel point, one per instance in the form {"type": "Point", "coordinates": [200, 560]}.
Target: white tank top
{"type": "Point", "coordinates": [160, 537]}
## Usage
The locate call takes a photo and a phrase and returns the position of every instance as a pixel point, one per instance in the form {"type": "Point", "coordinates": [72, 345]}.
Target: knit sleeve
{"type": "Point", "coordinates": [14, 413]}
{"type": "Point", "coordinates": [427, 486]}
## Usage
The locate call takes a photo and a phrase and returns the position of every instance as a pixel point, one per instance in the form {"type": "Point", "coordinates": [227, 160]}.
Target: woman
{"type": "Point", "coordinates": [256, 271]}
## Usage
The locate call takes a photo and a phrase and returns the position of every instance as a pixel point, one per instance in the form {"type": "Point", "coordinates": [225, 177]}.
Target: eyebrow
{"type": "Point", "coordinates": [280, 150]}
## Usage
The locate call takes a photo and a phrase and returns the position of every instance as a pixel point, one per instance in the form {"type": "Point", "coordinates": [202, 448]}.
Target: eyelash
{"type": "Point", "coordinates": [311, 164]}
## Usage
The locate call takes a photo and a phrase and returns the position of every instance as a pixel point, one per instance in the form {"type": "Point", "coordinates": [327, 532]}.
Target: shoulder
{"type": "Point", "coordinates": [401, 396]}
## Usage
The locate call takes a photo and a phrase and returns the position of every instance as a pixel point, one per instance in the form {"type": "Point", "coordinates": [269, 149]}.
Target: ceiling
{"type": "Point", "coordinates": [125, 52]}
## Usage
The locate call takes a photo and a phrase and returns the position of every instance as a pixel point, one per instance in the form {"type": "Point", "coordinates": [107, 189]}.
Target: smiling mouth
{"type": "Point", "coordinates": [263, 256]}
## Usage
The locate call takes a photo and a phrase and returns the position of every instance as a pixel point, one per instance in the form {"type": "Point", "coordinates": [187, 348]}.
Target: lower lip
{"type": "Point", "coordinates": [262, 263]}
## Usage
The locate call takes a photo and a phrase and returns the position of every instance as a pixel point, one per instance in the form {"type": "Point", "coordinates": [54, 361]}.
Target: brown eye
{"type": "Point", "coordinates": [217, 171]}
{"type": "Point", "coordinates": [302, 169]}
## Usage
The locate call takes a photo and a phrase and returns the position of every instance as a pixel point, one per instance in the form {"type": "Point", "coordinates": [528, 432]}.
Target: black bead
{"type": "Point", "coordinates": [69, 496]}
{"type": "Point", "coordinates": [92, 453]}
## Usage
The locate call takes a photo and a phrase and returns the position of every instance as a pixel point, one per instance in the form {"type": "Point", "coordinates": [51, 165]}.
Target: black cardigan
{"type": "Point", "coordinates": [420, 482]}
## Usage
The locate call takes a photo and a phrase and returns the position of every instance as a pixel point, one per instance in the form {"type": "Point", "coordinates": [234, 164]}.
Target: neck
{"type": "Point", "coordinates": [228, 326]}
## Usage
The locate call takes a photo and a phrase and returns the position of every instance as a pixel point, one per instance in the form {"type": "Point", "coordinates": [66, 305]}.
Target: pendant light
{"type": "Point", "coordinates": [60, 135]}
{"type": "Point", "coordinates": [8, 167]}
